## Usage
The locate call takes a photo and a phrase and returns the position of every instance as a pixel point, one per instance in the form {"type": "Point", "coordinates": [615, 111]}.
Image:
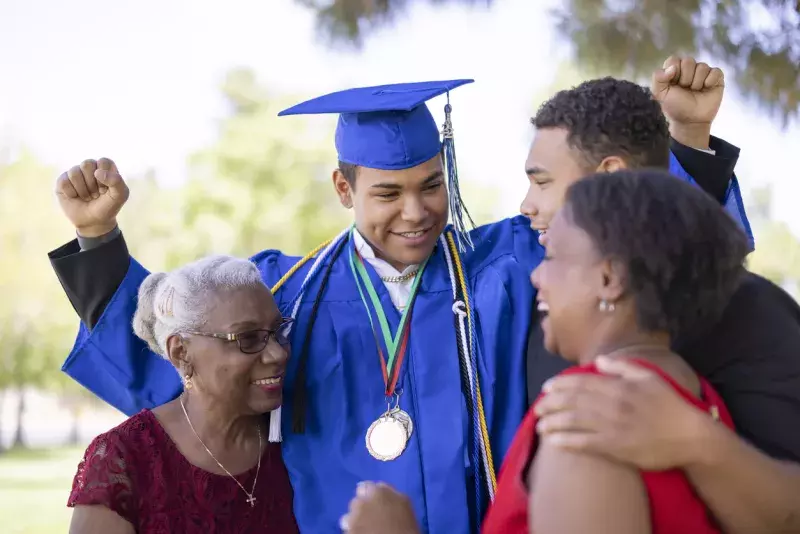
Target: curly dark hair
{"type": "Point", "coordinates": [683, 253]}
{"type": "Point", "coordinates": [610, 117]}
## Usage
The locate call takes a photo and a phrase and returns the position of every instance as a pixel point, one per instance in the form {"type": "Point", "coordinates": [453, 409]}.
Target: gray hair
{"type": "Point", "coordinates": [175, 302]}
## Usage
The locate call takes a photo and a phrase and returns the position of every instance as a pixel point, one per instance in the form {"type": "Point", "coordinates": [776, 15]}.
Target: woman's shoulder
{"type": "Point", "coordinates": [133, 427]}
{"type": "Point", "coordinates": [129, 438]}
{"type": "Point", "coordinates": [121, 451]}
{"type": "Point", "coordinates": [108, 474]}
{"type": "Point", "coordinates": [708, 400]}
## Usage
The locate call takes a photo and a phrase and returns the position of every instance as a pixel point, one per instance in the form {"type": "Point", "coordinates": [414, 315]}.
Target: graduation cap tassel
{"type": "Point", "coordinates": [457, 207]}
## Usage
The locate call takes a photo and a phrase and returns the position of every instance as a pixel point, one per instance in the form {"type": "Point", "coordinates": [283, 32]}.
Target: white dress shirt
{"type": "Point", "coordinates": [399, 292]}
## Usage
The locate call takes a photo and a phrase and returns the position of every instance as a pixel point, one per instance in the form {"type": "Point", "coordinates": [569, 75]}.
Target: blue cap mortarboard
{"type": "Point", "coordinates": [389, 127]}
{"type": "Point", "coordinates": [383, 127]}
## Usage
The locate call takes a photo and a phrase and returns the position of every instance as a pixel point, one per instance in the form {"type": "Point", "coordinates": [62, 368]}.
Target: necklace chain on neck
{"type": "Point", "coordinates": [400, 278]}
{"type": "Point", "coordinates": [250, 499]}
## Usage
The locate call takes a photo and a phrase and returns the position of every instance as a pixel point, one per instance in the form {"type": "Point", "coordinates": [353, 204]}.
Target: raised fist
{"type": "Point", "coordinates": [689, 92]}
{"type": "Point", "coordinates": [91, 195]}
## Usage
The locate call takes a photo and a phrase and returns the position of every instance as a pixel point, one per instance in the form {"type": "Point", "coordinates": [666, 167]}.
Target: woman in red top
{"type": "Point", "coordinates": [202, 462]}
{"type": "Point", "coordinates": [633, 259]}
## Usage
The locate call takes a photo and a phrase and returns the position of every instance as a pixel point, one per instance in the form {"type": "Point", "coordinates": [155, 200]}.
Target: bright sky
{"type": "Point", "coordinates": [139, 81]}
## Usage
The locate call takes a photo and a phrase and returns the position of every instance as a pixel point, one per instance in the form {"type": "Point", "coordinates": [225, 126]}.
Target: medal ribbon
{"type": "Point", "coordinates": [395, 345]}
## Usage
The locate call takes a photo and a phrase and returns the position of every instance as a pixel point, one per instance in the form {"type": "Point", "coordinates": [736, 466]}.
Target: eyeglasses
{"type": "Point", "coordinates": [254, 341]}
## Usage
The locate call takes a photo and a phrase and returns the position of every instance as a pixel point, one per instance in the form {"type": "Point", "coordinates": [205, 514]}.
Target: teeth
{"type": "Point", "coordinates": [267, 381]}
{"type": "Point", "coordinates": [542, 306]}
{"type": "Point", "coordinates": [412, 234]}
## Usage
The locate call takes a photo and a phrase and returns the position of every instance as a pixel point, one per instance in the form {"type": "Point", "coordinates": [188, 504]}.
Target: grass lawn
{"type": "Point", "coordinates": [34, 486]}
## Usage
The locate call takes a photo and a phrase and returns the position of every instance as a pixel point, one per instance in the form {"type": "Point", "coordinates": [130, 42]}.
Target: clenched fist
{"type": "Point", "coordinates": [690, 94]}
{"type": "Point", "coordinates": [379, 509]}
{"type": "Point", "coordinates": [91, 195]}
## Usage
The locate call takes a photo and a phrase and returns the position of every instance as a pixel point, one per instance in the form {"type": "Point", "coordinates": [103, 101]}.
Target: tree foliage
{"type": "Point", "coordinates": [758, 40]}
{"type": "Point", "coordinates": [777, 254]}
{"type": "Point", "coordinates": [348, 22]}
{"type": "Point", "coordinates": [36, 320]}
{"type": "Point", "coordinates": [266, 182]}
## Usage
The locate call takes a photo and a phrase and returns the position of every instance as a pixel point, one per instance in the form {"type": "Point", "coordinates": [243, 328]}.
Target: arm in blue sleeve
{"type": "Point", "coordinates": [713, 172]}
{"type": "Point", "coordinates": [107, 358]}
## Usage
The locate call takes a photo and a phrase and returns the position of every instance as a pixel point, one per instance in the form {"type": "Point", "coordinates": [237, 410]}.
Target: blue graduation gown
{"type": "Point", "coordinates": [344, 381]}
{"type": "Point", "coordinates": [734, 204]}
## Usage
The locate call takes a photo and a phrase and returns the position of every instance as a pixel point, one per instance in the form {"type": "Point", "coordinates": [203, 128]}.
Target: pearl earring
{"type": "Point", "coordinates": [605, 306]}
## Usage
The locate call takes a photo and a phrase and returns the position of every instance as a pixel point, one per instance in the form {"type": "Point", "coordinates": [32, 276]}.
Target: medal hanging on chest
{"type": "Point", "coordinates": [388, 436]}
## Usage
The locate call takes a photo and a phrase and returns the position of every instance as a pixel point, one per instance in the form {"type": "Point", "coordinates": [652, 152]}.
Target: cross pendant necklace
{"type": "Point", "coordinates": [251, 500]}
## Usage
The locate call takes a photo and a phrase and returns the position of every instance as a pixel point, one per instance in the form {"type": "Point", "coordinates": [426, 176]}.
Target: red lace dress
{"type": "Point", "coordinates": [674, 505]}
{"type": "Point", "coordinates": [137, 471]}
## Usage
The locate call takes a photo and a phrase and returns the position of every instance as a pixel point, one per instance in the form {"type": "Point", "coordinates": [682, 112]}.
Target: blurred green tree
{"type": "Point", "coordinates": [265, 183]}
{"type": "Point", "coordinates": [777, 254]}
{"type": "Point", "coordinates": [758, 40]}
{"type": "Point", "coordinates": [36, 320]}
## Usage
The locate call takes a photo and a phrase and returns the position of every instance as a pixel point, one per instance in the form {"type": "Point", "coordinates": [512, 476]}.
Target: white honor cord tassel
{"type": "Point", "coordinates": [275, 426]}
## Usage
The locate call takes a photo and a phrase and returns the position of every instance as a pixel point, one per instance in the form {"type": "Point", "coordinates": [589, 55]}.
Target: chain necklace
{"type": "Point", "coordinates": [401, 278]}
{"type": "Point", "coordinates": [250, 499]}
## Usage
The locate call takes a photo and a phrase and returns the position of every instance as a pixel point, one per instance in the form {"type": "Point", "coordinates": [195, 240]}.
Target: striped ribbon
{"type": "Point", "coordinates": [481, 453]}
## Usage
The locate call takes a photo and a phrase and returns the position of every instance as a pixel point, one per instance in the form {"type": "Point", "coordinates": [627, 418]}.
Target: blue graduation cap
{"type": "Point", "coordinates": [390, 127]}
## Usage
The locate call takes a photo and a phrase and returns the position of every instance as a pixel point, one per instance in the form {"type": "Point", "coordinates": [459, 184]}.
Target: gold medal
{"type": "Point", "coordinates": [388, 436]}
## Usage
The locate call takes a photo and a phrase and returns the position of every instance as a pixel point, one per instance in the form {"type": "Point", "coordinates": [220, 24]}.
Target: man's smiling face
{"type": "Point", "coordinates": [552, 166]}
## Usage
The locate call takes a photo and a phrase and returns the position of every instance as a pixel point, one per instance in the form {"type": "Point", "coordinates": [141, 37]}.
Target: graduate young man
{"type": "Point", "coordinates": [407, 364]}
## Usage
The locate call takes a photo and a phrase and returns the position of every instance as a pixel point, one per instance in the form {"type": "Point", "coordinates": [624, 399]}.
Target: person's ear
{"type": "Point", "coordinates": [613, 276]}
{"type": "Point", "coordinates": [612, 164]}
{"type": "Point", "coordinates": [178, 354]}
{"type": "Point", "coordinates": [343, 189]}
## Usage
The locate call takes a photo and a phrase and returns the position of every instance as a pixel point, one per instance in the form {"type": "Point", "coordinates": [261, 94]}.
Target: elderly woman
{"type": "Point", "coordinates": [633, 260]}
{"type": "Point", "coordinates": [201, 463]}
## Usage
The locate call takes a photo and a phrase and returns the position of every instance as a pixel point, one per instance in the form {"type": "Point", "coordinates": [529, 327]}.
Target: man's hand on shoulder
{"type": "Point", "coordinates": [91, 195]}
{"type": "Point", "coordinates": [631, 415]}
